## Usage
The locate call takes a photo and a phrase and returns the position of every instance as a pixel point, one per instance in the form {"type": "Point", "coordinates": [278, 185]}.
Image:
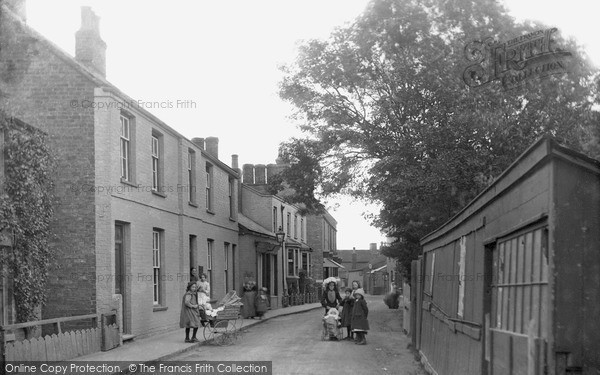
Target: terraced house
{"type": "Point", "coordinates": [276, 266]}
{"type": "Point", "coordinates": [138, 204]}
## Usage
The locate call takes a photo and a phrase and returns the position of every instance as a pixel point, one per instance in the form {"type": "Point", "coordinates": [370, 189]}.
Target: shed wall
{"type": "Point", "coordinates": [577, 262]}
{"type": "Point", "coordinates": [451, 346]}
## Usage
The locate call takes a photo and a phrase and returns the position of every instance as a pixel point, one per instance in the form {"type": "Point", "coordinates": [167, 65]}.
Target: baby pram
{"type": "Point", "coordinates": [332, 327]}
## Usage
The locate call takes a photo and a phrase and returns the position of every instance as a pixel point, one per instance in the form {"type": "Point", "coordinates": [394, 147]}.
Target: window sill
{"type": "Point", "coordinates": [193, 204]}
{"type": "Point", "coordinates": [159, 308]}
{"type": "Point", "coordinates": [210, 211]}
{"type": "Point", "coordinates": [160, 194]}
{"type": "Point", "coordinates": [126, 182]}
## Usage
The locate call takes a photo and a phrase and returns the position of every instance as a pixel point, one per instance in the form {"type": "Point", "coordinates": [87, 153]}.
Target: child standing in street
{"type": "Point", "coordinates": [359, 322]}
{"type": "Point", "coordinates": [262, 302]}
{"type": "Point", "coordinates": [190, 314]}
{"type": "Point", "coordinates": [347, 304]}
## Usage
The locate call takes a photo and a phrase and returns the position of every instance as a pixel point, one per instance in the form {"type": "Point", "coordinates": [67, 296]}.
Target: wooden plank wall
{"type": "Point", "coordinates": [451, 345]}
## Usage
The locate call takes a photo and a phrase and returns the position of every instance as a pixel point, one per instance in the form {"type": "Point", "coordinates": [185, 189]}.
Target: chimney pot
{"type": "Point", "coordinates": [212, 146]}
{"type": "Point", "coordinates": [234, 162]}
{"type": "Point", "coordinates": [198, 142]}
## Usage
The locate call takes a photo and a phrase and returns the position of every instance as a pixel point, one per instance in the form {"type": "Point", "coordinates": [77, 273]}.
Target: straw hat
{"type": "Point", "coordinates": [360, 291]}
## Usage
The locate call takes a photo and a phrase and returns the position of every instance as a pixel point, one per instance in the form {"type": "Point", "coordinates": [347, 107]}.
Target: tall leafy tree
{"type": "Point", "coordinates": [388, 117]}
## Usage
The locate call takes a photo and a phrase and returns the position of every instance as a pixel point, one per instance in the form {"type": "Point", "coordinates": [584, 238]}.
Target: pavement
{"type": "Point", "coordinates": [163, 346]}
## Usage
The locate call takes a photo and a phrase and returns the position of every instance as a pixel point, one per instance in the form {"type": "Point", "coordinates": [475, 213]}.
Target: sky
{"type": "Point", "coordinates": [223, 58]}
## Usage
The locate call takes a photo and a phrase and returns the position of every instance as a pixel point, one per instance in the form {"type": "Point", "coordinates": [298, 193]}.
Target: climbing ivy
{"type": "Point", "coordinates": [25, 214]}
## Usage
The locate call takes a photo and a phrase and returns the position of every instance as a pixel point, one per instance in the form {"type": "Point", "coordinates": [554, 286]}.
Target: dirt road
{"type": "Point", "coordinates": [294, 345]}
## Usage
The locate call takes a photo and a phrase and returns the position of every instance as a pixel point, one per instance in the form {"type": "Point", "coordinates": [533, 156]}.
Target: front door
{"type": "Point", "coordinates": [517, 305]}
{"type": "Point", "coordinates": [121, 272]}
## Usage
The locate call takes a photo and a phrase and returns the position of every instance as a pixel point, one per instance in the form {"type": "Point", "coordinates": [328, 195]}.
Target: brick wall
{"type": "Point", "coordinates": [314, 233]}
{"type": "Point", "coordinates": [39, 87]}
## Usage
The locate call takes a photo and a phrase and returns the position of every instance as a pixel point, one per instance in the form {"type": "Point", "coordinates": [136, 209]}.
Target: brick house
{"type": "Point", "coordinates": [138, 203]}
{"type": "Point", "coordinates": [322, 237]}
{"type": "Point", "coordinates": [320, 230]}
{"type": "Point", "coordinates": [262, 259]}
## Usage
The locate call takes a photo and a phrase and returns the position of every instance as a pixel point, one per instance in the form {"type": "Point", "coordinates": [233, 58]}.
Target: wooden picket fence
{"type": "Point", "coordinates": [62, 345]}
{"type": "Point", "coordinates": [59, 347]}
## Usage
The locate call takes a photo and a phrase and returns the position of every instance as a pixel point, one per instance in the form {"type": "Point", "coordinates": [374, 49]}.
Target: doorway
{"type": "Point", "coordinates": [120, 272]}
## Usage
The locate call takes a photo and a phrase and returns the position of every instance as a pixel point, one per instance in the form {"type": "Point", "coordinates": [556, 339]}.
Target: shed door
{"type": "Point", "coordinates": [517, 337]}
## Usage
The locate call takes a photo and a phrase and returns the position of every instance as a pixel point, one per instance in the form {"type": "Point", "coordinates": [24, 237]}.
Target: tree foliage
{"type": "Point", "coordinates": [25, 214]}
{"type": "Point", "coordinates": [389, 119]}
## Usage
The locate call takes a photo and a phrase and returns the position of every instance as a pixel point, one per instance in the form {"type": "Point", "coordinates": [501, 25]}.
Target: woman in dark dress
{"type": "Point", "coordinates": [331, 297]}
{"type": "Point", "coordinates": [248, 299]}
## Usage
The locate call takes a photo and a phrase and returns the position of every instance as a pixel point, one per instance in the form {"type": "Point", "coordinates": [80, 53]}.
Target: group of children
{"type": "Point", "coordinates": [195, 305]}
{"type": "Point", "coordinates": [354, 311]}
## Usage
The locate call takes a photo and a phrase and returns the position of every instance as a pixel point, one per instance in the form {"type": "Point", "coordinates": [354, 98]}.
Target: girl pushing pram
{"type": "Point", "coordinates": [331, 301]}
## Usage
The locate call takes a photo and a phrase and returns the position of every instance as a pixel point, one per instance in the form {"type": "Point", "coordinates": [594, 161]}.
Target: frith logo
{"type": "Point", "coordinates": [516, 61]}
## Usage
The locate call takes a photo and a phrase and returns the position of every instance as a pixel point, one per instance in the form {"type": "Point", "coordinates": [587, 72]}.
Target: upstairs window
{"type": "Point", "coordinates": [125, 148]}
{"type": "Point", "coordinates": [209, 192]}
{"type": "Point", "coordinates": [191, 176]}
{"type": "Point", "coordinates": [231, 198]}
{"type": "Point", "coordinates": [155, 164]}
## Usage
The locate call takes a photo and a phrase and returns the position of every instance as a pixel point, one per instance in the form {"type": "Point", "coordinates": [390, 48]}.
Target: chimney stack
{"type": "Point", "coordinates": [212, 146]}
{"type": "Point", "coordinates": [373, 248]}
{"type": "Point", "coordinates": [18, 7]}
{"type": "Point", "coordinates": [354, 258]}
{"type": "Point", "coordinates": [90, 49]}
{"type": "Point", "coordinates": [248, 177]}
{"type": "Point", "coordinates": [234, 162]}
{"type": "Point", "coordinates": [198, 142]}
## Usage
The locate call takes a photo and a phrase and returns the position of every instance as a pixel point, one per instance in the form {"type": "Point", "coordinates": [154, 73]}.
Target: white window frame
{"type": "Point", "coordinates": [156, 265]}
{"type": "Point", "coordinates": [125, 147]}
{"type": "Point", "coordinates": [155, 163]}
{"type": "Point", "coordinates": [295, 226]}
{"type": "Point", "coordinates": [209, 261]}
{"type": "Point", "coordinates": [209, 182]}
{"type": "Point", "coordinates": [231, 196]}
{"type": "Point", "coordinates": [191, 176]}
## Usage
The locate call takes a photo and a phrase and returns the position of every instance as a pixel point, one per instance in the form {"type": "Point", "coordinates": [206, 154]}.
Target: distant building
{"type": "Point", "coordinates": [322, 237]}
{"type": "Point", "coordinates": [311, 238]}
{"type": "Point", "coordinates": [263, 259]}
{"type": "Point", "coordinates": [360, 264]}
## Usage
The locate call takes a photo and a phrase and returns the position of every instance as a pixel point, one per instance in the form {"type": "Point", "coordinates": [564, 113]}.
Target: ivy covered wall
{"type": "Point", "coordinates": [25, 214]}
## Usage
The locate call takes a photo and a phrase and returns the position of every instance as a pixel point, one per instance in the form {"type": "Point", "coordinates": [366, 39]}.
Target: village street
{"type": "Point", "coordinates": [294, 344]}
